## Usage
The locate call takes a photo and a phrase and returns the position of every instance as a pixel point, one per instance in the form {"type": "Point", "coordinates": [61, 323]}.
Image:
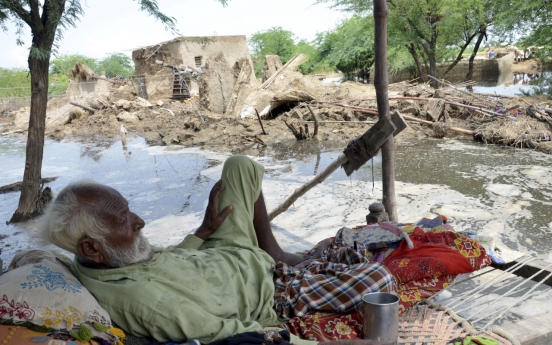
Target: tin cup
{"type": "Point", "coordinates": [381, 317]}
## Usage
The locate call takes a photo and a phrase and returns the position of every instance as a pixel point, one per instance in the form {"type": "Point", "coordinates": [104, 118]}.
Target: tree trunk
{"type": "Point", "coordinates": [30, 204]}
{"type": "Point", "coordinates": [412, 50]}
{"type": "Point", "coordinates": [459, 56]}
{"type": "Point", "coordinates": [381, 82]}
{"type": "Point", "coordinates": [432, 59]}
{"type": "Point", "coordinates": [482, 34]}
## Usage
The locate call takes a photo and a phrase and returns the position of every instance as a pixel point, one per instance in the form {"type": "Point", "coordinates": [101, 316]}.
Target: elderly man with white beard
{"type": "Point", "coordinates": [229, 277]}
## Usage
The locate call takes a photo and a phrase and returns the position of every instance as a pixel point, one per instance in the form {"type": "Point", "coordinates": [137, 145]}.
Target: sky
{"type": "Point", "coordinates": [118, 25]}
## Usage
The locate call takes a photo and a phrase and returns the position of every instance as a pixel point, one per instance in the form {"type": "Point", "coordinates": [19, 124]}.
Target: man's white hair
{"type": "Point", "coordinates": [66, 220]}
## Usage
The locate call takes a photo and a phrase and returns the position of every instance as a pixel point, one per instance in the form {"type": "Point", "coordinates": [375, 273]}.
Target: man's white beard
{"type": "Point", "coordinates": [139, 252]}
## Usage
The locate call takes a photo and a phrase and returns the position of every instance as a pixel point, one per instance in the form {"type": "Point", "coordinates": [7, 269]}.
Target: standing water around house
{"type": "Point", "coordinates": [498, 191]}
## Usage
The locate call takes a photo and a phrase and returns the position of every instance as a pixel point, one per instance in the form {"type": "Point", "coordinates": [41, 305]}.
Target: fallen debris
{"type": "Point", "coordinates": [260, 122]}
{"type": "Point", "coordinates": [83, 107]}
{"type": "Point", "coordinates": [16, 187]}
{"type": "Point", "coordinates": [301, 105]}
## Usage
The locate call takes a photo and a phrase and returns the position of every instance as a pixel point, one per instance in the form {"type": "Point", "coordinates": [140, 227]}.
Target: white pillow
{"type": "Point", "coordinates": [41, 290]}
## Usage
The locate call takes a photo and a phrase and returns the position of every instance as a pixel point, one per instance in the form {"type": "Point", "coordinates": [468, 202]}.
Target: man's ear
{"type": "Point", "coordinates": [91, 250]}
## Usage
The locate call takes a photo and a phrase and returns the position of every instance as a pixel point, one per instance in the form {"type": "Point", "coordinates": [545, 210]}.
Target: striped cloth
{"type": "Point", "coordinates": [328, 286]}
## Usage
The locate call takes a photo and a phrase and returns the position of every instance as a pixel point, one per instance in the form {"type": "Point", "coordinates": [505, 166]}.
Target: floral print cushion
{"type": "Point", "coordinates": [41, 290]}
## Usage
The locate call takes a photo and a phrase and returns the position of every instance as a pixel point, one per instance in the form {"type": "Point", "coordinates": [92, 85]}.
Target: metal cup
{"type": "Point", "coordinates": [381, 317]}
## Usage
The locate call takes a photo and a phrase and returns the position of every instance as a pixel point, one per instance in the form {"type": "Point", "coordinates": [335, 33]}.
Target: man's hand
{"type": "Point", "coordinates": [213, 219]}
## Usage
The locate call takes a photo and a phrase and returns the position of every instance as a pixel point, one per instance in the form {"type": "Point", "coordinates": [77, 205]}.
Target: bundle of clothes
{"type": "Point", "coordinates": [424, 257]}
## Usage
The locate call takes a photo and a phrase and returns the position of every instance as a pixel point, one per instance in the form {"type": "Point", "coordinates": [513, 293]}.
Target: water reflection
{"type": "Point", "coordinates": [517, 84]}
{"type": "Point", "coordinates": [494, 190]}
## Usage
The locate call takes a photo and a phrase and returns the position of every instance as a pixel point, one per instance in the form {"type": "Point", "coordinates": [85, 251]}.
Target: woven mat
{"type": "Point", "coordinates": [424, 325]}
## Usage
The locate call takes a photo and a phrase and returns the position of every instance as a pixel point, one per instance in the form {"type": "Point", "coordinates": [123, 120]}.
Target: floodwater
{"type": "Point", "coordinates": [498, 191]}
{"type": "Point", "coordinates": [517, 84]}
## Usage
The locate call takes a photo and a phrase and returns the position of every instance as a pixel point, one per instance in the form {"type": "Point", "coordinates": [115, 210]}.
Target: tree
{"type": "Point", "coordinates": [274, 41]}
{"type": "Point", "coordinates": [529, 19]}
{"type": "Point", "coordinates": [116, 64]}
{"type": "Point", "coordinates": [350, 47]}
{"type": "Point", "coordinates": [471, 18]}
{"type": "Point", "coordinates": [430, 30]}
{"type": "Point", "coordinates": [62, 64]}
{"type": "Point", "coordinates": [308, 49]}
{"type": "Point", "coordinates": [47, 19]}
{"type": "Point", "coordinates": [14, 82]}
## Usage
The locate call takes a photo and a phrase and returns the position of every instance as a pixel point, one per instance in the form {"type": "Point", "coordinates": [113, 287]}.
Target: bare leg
{"type": "Point", "coordinates": [266, 239]}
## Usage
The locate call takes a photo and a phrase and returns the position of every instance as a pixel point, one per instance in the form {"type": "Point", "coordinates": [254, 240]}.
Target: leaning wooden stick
{"type": "Point", "coordinates": [261, 122]}
{"type": "Point", "coordinates": [342, 159]}
{"type": "Point", "coordinates": [358, 152]}
{"type": "Point", "coordinates": [315, 122]}
{"type": "Point", "coordinates": [92, 110]}
{"type": "Point", "coordinates": [455, 129]}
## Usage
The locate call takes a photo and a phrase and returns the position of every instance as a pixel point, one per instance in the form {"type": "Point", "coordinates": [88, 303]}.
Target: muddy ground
{"type": "Point", "coordinates": [170, 122]}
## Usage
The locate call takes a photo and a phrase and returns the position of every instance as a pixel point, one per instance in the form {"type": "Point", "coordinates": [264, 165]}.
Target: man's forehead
{"type": "Point", "coordinates": [99, 195]}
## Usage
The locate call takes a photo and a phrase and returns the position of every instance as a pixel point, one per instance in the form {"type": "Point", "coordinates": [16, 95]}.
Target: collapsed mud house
{"type": "Point", "coordinates": [184, 66]}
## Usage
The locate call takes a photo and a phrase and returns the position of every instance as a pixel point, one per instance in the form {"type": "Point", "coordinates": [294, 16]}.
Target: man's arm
{"type": "Point", "coordinates": [267, 241]}
{"type": "Point", "coordinates": [213, 220]}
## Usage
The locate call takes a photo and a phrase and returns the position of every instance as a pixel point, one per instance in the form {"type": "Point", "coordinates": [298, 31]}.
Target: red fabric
{"type": "Point", "coordinates": [435, 255]}
{"type": "Point", "coordinates": [414, 292]}
{"type": "Point", "coordinates": [432, 265]}
{"type": "Point", "coordinates": [319, 326]}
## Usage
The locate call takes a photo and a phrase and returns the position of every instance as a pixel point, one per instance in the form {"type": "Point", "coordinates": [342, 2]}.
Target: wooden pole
{"type": "Point", "coordinates": [83, 107]}
{"type": "Point", "coordinates": [261, 122]}
{"type": "Point", "coordinates": [342, 159]}
{"type": "Point", "coordinates": [381, 83]}
{"type": "Point", "coordinates": [455, 129]}
{"type": "Point", "coordinates": [373, 139]}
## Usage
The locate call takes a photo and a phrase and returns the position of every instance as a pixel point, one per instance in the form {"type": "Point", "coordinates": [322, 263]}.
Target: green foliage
{"type": "Point", "coordinates": [62, 64]}
{"type": "Point", "coordinates": [274, 41]}
{"type": "Point", "coordinates": [315, 59]}
{"type": "Point", "coordinates": [57, 86]}
{"type": "Point", "coordinates": [431, 31]}
{"type": "Point", "coordinates": [116, 64]}
{"type": "Point", "coordinates": [350, 47]}
{"type": "Point", "coordinates": [14, 82]}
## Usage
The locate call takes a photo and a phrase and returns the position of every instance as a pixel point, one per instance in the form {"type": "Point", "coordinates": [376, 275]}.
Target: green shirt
{"type": "Point", "coordinates": [206, 290]}
{"type": "Point", "coordinates": [185, 293]}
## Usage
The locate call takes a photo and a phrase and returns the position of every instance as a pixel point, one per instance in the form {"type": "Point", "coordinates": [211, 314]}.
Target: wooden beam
{"type": "Point", "coordinates": [530, 269]}
{"type": "Point", "coordinates": [363, 148]}
{"type": "Point", "coordinates": [381, 83]}
{"type": "Point", "coordinates": [536, 330]}
{"type": "Point", "coordinates": [83, 107]}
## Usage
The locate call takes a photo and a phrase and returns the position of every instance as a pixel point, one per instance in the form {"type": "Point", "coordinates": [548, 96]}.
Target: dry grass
{"type": "Point", "coordinates": [545, 146]}
{"type": "Point", "coordinates": [522, 131]}
{"type": "Point", "coordinates": [439, 129]}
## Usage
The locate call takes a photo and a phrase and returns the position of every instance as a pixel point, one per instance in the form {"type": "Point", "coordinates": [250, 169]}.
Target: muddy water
{"type": "Point", "coordinates": [516, 84]}
{"type": "Point", "coordinates": [497, 191]}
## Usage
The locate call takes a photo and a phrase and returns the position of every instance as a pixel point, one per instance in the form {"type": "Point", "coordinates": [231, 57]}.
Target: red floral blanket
{"type": "Point", "coordinates": [432, 265]}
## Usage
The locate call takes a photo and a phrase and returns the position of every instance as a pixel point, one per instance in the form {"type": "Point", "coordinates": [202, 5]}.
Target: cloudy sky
{"type": "Point", "coordinates": [117, 25]}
